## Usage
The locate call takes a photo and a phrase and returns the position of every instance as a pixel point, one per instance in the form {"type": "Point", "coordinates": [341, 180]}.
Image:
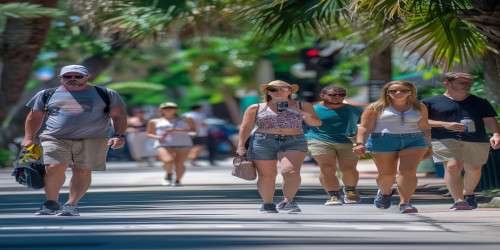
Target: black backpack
{"type": "Point", "coordinates": [29, 169]}
{"type": "Point", "coordinates": [103, 93]}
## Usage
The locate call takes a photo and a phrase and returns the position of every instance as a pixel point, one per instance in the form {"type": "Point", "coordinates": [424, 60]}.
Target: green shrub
{"type": "Point", "coordinates": [5, 158]}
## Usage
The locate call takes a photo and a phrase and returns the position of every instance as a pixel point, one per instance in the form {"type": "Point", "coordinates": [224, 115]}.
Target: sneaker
{"type": "Point", "coordinates": [333, 201]}
{"type": "Point", "coordinates": [68, 210]}
{"type": "Point", "coordinates": [351, 196]}
{"type": "Point", "coordinates": [176, 184]}
{"type": "Point", "coordinates": [269, 208]}
{"type": "Point", "coordinates": [407, 208]}
{"type": "Point", "coordinates": [382, 200]}
{"type": "Point", "coordinates": [471, 200]}
{"type": "Point", "coordinates": [289, 207]}
{"type": "Point", "coordinates": [167, 181]}
{"type": "Point", "coordinates": [49, 207]}
{"type": "Point", "coordinates": [461, 205]}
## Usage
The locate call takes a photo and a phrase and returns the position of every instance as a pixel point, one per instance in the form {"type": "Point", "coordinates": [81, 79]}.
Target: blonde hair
{"type": "Point", "coordinates": [385, 101]}
{"type": "Point", "coordinates": [266, 97]}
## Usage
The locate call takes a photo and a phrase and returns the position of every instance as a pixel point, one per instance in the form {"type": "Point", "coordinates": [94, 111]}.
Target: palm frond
{"type": "Point", "coordinates": [446, 38]}
{"type": "Point", "coordinates": [27, 10]}
{"type": "Point", "coordinates": [274, 20]}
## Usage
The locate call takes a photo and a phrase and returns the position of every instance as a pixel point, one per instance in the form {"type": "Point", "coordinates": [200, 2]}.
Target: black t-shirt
{"type": "Point", "coordinates": [442, 108]}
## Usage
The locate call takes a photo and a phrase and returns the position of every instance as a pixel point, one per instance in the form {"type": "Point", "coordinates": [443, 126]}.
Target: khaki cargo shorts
{"type": "Point", "coordinates": [343, 151]}
{"type": "Point", "coordinates": [83, 153]}
{"type": "Point", "coordinates": [473, 153]}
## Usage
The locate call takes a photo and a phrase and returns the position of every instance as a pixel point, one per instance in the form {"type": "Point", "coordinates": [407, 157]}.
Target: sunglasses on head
{"type": "Point", "coordinates": [336, 94]}
{"type": "Point", "coordinates": [72, 76]}
{"type": "Point", "coordinates": [394, 91]}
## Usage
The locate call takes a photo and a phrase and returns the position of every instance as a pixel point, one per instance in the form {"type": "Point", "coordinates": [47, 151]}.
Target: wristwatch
{"type": "Point", "coordinates": [357, 144]}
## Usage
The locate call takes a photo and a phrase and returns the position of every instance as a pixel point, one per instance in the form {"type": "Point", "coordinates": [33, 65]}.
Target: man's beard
{"type": "Point", "coordinates": [74, 83]}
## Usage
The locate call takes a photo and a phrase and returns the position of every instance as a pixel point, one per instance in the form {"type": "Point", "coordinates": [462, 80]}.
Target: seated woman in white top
{"type": "Point", "coordinates": [399, 133]}
{"type": "Point", "coordinates": [173, 140]}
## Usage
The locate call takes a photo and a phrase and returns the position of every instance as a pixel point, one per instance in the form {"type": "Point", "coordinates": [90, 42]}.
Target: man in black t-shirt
{"type": "Point", "coordinates": [458, 120]}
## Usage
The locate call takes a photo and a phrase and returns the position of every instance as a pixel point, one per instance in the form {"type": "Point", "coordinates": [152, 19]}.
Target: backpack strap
{"type": "Point", "coordinates": [46, 95]}
{"type": "Point", "coordinates": [103, 93]}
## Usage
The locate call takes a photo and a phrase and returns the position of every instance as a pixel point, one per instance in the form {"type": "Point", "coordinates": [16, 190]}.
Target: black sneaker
{"type": "Point", "coordinates": [269, 208]}
{"type": "Point", "coordinates": [407, 208]}
{"type": "Point", "coordinates": [49, 207]}
{"type": "Point", "coordinates": [471, 200]}
{"type": "Point", "coordinates": [382, 200]}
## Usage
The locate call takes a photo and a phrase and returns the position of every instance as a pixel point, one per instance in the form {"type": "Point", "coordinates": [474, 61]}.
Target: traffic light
{"type": "Point", "coordinates": [318, 58]}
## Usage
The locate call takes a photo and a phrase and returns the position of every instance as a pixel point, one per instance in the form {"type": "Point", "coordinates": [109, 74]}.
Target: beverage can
{"type": "Point", "coordinates": [470, 126]}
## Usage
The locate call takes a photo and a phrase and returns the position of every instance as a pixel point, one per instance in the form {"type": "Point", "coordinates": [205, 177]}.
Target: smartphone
{"type": "Point", "coordinates": [282, 106]}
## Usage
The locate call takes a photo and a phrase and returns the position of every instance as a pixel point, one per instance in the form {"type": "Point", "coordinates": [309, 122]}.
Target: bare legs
{"type": "Point", "coordinates": [387, 165]}
{"type": "Point", "coordinates": [328, 168]}
{"type": "Point", "coordinates": [458, 186]}
{"type": "Point", "coordinates": [55, 177]}
{"type": "Point", "coordinates": [174, 157]}
{"type": "Point", "coordinates": [290, 163]}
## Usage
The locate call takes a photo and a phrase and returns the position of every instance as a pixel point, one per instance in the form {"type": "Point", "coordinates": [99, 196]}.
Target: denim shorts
{"type": "Point", "coordinates": [267, 146]}
{"type": "Point", "coordinates": [384, 142]}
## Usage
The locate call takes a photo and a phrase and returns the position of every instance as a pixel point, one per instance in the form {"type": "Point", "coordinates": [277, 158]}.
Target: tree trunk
{"type": "Point", "coordinates": [22, 40]}
{"type": "Point", "coordinates": [492, 76]}
{"type": "Point", "coordinates": [485, 16]}
{"type": "Point", "coordinates": [380, 64]}
{"type": "Point", "coordinates": [232, 107]}
{"type": "Point", "coordinates": [20, 44]}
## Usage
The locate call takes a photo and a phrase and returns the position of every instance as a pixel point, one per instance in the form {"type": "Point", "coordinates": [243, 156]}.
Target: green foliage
{"type": "Point", "coordinates": [6, 158]}
{"type": "Point", "coordinates": [27, 10]}
{"type": "Point", "coordinates": [278, 19]}
{"type": "Point", "coordinates": [135, 87]}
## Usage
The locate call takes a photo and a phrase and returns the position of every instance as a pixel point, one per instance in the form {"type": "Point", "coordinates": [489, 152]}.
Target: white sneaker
{"type": "Point", "coordinates": [166, 182]}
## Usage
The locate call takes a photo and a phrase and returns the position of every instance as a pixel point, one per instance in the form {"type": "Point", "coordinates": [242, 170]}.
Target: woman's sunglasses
{"type": "Point", "coordinates": [276, 89]}
{"type": "Point", "coordinates": [394, 91]}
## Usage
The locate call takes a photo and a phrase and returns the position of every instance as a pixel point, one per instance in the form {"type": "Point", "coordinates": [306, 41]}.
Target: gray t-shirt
{"type": "Point", "coordinates": [75, 114]}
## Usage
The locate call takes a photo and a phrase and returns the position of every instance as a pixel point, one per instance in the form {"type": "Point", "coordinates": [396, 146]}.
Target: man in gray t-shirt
{"type": "Point", "coordinates": [72, 122]}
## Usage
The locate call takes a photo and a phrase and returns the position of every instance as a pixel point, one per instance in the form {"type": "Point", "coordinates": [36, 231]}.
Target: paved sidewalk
{"type": "Point", "coordinates": [127, 208]}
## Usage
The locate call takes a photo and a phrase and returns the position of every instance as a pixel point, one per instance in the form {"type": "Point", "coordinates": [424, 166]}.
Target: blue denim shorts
{"type": "Point", "coordinates": [384, 142]}
{"type": "Point", "coordinates": [267, 146]}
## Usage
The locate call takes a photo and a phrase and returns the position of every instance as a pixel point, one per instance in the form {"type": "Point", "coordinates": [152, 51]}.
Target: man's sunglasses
{"type": "Point", "coordinates": [72, 76]}
{"type": "Point", "coordinates": [337, 94]}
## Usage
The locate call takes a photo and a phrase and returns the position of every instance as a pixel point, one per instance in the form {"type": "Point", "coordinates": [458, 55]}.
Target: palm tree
{"type": "Point", "coordinates": [23, 30]}
{"type": "Point", "coordinates": [447, 33]}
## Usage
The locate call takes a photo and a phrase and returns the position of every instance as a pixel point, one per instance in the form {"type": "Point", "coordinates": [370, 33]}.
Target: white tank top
{"type": "Point", "coordinates": [175, 138]}
{"type": "Point", "coordinates": [392, 121]}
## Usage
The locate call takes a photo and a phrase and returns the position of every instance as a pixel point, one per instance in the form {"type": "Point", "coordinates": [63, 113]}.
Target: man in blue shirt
{"type": "Point", "coordinates": [458, 120]}
{"type": "Point", "coordinates": [331, 142]}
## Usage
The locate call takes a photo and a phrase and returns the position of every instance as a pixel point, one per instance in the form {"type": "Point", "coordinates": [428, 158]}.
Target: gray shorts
{"type": "Point", "coordinates": [267, 146]}
{"type": "Point", "coordinates": [83, 153]}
